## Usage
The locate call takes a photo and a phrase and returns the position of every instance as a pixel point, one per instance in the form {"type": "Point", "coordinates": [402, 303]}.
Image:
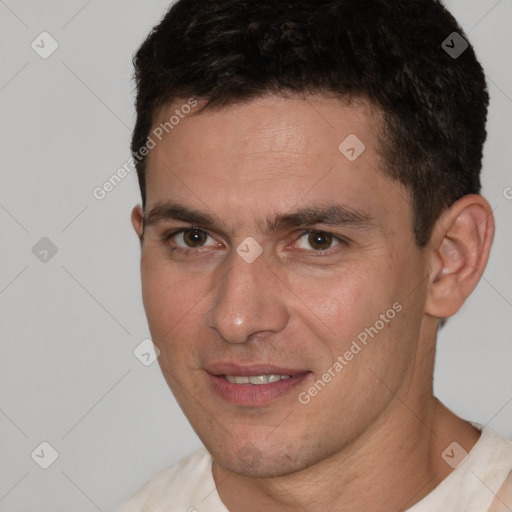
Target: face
{"type": "Point", "coordinates": [268, 250]}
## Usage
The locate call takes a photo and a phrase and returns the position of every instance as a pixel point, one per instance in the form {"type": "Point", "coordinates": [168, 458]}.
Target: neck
{"type": "Point", "coordinates": [389, 467]}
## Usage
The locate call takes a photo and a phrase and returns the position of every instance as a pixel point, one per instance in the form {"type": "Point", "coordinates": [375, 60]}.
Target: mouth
{"type": "Point", "coordinates": [254, 385]}
{"type": "Point", "coordinates": [255, 380]}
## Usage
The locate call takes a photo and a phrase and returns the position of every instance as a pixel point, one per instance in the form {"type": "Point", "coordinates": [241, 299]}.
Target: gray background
{"type": "Point", "coordinates": [69, 325]}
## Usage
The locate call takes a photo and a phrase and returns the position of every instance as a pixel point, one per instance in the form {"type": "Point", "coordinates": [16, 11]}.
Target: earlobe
{"type": "Point", "coordinates": [460, 247]}
{"type": "Point", "coordinates": [137, 219]}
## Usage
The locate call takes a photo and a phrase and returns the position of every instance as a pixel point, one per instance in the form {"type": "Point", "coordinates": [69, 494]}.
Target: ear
{"type": "Point", "coordinates": [459, 250]}
{"type": "Point", "coordinates": [138, 222]}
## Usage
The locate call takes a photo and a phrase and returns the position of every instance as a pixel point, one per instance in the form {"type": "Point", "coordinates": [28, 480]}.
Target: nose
{"type": "Point", "coordinates": [249, 299]}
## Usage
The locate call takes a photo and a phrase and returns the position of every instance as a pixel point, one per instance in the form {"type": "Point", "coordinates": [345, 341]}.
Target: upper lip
{"type": "Point", "coordinates": [250, 370]}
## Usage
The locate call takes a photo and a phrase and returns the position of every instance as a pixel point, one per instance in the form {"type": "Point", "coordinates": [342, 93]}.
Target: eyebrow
{"type": "Point", "coordinates": [329, 215]}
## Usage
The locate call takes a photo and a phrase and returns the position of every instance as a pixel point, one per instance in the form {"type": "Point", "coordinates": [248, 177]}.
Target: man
{"type": "Point", "coordinates": [310, 214]}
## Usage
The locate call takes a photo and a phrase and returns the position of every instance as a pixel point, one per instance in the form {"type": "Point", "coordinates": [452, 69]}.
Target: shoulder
{"type": "Point", "coordinates": [503, 500]}
{"type": "Point", "coordinates": [181, 482]}
{"type": "Point", "coordinates": [500, 449]}
{"type": "Point", "coordinates": [476, 481]}
{"type": "Point", "coordinates": [493, 451]}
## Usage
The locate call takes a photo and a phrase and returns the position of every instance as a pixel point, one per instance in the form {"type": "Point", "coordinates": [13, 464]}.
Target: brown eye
{"type": "Point", "coordinates": [318, 240]}
{"type": "Point", "coordinates": [193, 238]}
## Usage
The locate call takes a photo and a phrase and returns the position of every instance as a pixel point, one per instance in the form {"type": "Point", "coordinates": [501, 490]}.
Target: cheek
{"type": "Point", "coordinates": [170, 297]}
{"type": "Point", "coordinates": [172, 302]}
{"type": "Point", "coordinates": [359, 303]}
{"type": "Point", "coordinates": [345, 300]}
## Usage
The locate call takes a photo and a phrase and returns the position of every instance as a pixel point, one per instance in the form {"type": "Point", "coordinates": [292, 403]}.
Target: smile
{"type": "Point", "coordinates": [257, 390]}
{"type": "Point", "coordinates": [255, 380]}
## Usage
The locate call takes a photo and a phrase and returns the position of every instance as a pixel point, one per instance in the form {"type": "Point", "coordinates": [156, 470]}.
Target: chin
{"type": "Point", "coordinates": [252, 462]}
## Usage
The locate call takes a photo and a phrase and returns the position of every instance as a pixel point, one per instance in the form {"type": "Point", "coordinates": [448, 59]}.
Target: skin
{"type": "Point", "coordinates": [372, 438]}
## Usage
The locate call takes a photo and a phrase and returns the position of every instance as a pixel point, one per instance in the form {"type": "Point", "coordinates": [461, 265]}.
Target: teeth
{"type": "Point", "coordinates": [256, 379]}
{"type": "Point", "coordinates": [238, 380]}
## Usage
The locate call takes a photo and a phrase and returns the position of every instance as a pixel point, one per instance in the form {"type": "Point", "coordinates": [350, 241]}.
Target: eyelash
{"type": "Point", "coordinates": [190, 252]}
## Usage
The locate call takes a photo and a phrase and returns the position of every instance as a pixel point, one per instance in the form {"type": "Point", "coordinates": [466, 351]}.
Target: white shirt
{"type": "Point", "coordinates": [188, 486]}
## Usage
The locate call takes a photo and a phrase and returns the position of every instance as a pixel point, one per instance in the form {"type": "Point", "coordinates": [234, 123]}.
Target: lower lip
{"type": "Point", "coordinates": [255, 395]}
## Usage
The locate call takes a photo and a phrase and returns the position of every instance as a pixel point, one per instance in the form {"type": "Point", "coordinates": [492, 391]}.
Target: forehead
{"type": "Point", "coordinates": [272, 153]}
{"type": "Point", "coordinates": [271, 124]}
